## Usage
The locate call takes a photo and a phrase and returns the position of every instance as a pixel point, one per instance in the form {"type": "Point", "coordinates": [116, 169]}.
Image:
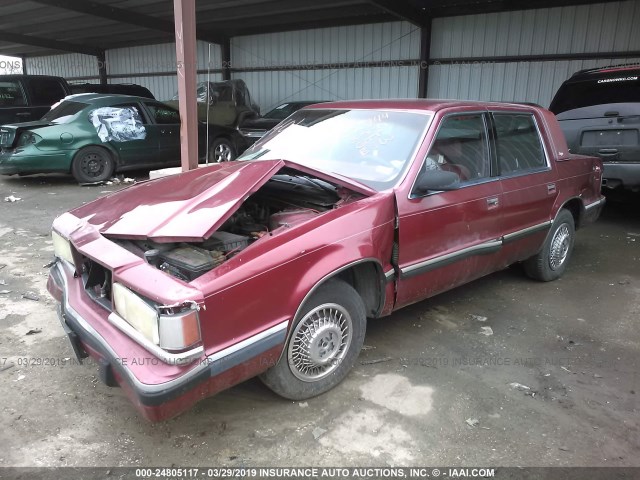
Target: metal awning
{"type": "Point", "coordinates": [31, 28]}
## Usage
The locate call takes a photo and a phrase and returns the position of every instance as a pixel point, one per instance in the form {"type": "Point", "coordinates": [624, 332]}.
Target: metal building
{"type": "Point", "coordinates": [358, 48]}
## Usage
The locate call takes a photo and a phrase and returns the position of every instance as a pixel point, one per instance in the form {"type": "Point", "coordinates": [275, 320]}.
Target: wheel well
{"type": "Point", "coordinates": [575, 207]}
{"type": "Point", "coordinates": [367, 279]}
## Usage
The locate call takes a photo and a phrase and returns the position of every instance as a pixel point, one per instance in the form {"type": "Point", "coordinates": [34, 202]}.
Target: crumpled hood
{"type": "Point", "coordinates": [187, 207]}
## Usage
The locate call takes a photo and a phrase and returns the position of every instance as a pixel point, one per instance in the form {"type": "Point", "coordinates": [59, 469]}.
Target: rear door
{"type": "Point", "coordinates": [14, 106]}
{"type": "Point", "coordinates": [449, 238]}
{"type": "Point", "coordinates": [130, 133]}
{"type": "Point", "coordinates": [529, 186]}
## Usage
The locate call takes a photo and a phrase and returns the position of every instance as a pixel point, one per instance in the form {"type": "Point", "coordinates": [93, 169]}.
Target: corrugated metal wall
{"type": "Point", "coordinates": [152, 66]}
{"type": "Point", "coordinates": [374, 62]}
{"type": "Point", "coordinates": [377, 61]}
{"type": "Point", "coordinates": [66, 65]}
{"type": "Point", "coordinates": [143, 64]}
{"type": "Point", "coordinates": [597, 28]}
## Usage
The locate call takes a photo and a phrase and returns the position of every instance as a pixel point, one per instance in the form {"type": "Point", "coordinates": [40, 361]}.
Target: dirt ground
{"type": "Point", "coordinates": [429, 389]}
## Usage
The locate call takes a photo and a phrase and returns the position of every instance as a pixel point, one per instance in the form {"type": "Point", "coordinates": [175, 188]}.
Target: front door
{"type": "Point", "coordinates": [447, 238]}
{"type": "Point", "coordinates": [167, 120]}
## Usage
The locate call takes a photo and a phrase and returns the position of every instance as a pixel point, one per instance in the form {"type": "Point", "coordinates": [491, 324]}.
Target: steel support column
{"type": "Point", "coordinates": [425, 55]}
{"type": "Point", "coordinates": [101, 58]}
{"type": "Point", "coordinates": [226, 60]}
{"type": "Point", "coordinates": [185, 22]}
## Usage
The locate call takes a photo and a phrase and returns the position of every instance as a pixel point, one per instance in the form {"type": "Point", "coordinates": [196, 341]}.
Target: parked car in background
{"type": "Point", "coordinates": [112, 88]}
{"type": "Point", "coordinates": [29, 97]}
{"type": "Point", "coordinates": [224, 103]}
{"type": "Point", "coordinates": [254, 127]}
{"type": "Point", "coordinates": [599, 113]}
{"type": "Point", "coordinates": [92, 136]}
{"type": "Point", "coordinates": [184, 286]}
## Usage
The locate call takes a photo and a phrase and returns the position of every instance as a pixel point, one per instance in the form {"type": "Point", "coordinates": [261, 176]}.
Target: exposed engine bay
{"type": "Point", "coordinates": [283, 202]}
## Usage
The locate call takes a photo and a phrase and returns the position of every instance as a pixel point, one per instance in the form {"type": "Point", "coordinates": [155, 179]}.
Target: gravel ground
{"type": "Point", "coordinates": [554, 383]}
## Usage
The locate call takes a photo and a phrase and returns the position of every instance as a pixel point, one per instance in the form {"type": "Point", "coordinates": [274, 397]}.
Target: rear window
{"type": "Point", "coordinates": [11, 94]}
{"type": "Point", "coordinates": [619, 89]}
{"type": "Point", "coordinates": [63, 112]}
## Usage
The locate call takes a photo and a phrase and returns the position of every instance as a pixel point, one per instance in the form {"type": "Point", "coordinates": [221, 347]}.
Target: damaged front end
{"type": "Point", "coordinates": [131, 274]}
{"type": "Point", "coordinates": [284, 201]}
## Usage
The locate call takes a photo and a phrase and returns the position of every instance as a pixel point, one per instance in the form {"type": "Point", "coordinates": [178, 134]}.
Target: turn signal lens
{"type": "Point", "coordinates": [180, 330]}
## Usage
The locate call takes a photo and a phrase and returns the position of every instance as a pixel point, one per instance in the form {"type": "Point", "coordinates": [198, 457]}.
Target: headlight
{"type": "Point", "coordinates": [136, 312]}
{"type": "Point", "coordinates": [174, 328]}
{"type": "Point", "coordinates": [62, 247]}
{"type": "Point", "coordinates": [28, 138]}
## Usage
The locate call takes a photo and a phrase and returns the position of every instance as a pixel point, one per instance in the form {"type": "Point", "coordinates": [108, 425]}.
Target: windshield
{"type": "Point", "coordinates": [64, 112]}
{"type": "Point", "coordinates": [373, 147]}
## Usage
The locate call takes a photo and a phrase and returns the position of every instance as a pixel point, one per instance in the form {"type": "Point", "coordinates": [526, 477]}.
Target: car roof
{"type": "Point", "coordinates": [605, 72]}
{"type": "Point", "coordinates": [414, 104]}
{"type": "Point", "coordinates": [103, 99]}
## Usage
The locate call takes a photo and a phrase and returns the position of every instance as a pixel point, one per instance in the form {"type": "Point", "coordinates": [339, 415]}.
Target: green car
{"type": "Point", "coordinates": [92, 136]}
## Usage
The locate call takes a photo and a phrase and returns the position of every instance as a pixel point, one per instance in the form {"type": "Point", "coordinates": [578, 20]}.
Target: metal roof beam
{"type": "Point", "coordinates": [403, 10]}
{"type": "Point", "coordinates": [47, 43]}
{"type": "Point", "coordinates": [122, 15]}
{"type": "Point", "coordinates": [455, 9]}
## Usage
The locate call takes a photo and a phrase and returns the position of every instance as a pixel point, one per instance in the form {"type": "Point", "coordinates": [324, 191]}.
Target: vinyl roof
{"type": "Point", "coordinates": [42, 27]}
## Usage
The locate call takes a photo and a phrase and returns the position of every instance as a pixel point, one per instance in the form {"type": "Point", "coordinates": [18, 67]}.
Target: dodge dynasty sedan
{"type": "Point", "coordinates": [271, 265]}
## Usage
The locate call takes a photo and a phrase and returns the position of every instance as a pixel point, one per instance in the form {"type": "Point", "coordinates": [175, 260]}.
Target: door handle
{"type": "Point", "coordinates": [23, 114]}
{"type": "Point", "coordinates": [551, 188]}
{"type": "Point", "coordinates": [492, 202]}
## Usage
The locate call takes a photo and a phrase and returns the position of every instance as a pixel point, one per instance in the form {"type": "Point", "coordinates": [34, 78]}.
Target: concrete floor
{"type": "Point", "coordinates": [574, 344]}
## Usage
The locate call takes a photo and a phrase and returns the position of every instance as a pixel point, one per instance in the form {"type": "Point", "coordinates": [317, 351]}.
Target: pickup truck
{"type": "Point", "coordinates": [24, 98]}
{"type": "Point", "coordinates": [271, 265]}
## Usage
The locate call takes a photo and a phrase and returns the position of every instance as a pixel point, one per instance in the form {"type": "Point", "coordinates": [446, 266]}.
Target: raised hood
{"type": "Point", "coordinates": [187, 207]}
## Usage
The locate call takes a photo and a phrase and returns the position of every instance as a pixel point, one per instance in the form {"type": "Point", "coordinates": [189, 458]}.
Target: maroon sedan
{"type": "Point", "coordinates": [184, 286]}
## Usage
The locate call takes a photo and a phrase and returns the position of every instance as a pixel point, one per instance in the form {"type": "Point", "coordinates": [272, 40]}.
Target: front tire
{"type": "Point", "coordinates": [92, 164]}
{"type": "Point", "coordinates": [551, 262]}
{"type": "Point", "coordinates": [222, 150]}
{"type": "Point", "coordinates": [324, 344]}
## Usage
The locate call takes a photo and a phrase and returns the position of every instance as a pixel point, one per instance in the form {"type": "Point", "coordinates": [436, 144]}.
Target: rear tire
{"type": "Point", "coordinates": [324, 344]}
{"type": "Point", "coordinates": [551, 262]}
{"type": "Point", "coordinates": [92, 164]}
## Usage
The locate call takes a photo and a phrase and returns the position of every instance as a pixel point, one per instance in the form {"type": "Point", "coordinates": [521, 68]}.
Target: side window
{"type": "Point", "coordinates": [11, 94]}
{"type": "Point", "coordinates": [118, 123]}
{"type": "Point", "coordinates": [163, 114]}
{"type": "Point", "coordinates": [46, 91]}
{"type": "Point", "coordinates": [518, 142]}
{"type": "Point", "coordinates": [461, 147]}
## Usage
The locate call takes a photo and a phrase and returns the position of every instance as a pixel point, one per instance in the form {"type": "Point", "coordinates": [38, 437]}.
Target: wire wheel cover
{"type": "Point", "coordinates": [320, 342]}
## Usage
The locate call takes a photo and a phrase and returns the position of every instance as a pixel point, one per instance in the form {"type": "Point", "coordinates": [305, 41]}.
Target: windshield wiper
{"type": "Point", "coordinates": [318, 183]}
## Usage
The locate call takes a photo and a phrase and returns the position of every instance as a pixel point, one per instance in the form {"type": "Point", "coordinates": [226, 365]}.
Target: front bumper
{"type": "Point", "coordinates": [183, 386]}
{"type": "Point", "coordinates": [626, 175]}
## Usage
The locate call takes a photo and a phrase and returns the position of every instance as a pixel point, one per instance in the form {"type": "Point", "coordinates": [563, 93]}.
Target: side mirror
{"type": "Point", "coordinates": [436, 180]}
